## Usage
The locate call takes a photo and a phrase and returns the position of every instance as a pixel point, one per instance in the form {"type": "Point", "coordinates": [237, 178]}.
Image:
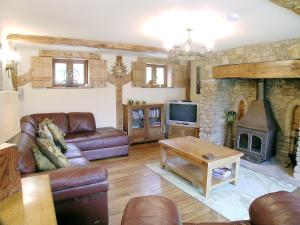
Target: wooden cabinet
{"type": "Point", "coordinates": [181, 131]}
{"type": "Point", "coordinates": [144, 122]}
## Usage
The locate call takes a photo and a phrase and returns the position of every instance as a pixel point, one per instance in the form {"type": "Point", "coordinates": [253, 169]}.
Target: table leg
{"type": "Point", "coordinates": [206, 183]}
{"type": "Point", "coordinates": [235, 170]}
{"type": "Point", "coordinates": [163, 157]}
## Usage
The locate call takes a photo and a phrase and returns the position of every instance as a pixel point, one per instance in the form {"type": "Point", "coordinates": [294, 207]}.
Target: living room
{"type": "Point", "coordinates": [173, 112]}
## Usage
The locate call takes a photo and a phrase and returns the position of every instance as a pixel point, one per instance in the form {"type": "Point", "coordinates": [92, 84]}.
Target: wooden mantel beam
{"type": "Point", "coordinates": [36, 39]}
{"type": "Point", "coordinates": [293, 5]}
{"type": "Point", "coordinates": [274, 69]}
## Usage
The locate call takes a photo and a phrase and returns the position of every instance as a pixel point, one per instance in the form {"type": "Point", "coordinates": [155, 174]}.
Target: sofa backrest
{"type": "Point", "coordinates": [74, 122]}
{"type": "Point", "coordinates": [60, 120]}
{"type": "Point", "coordinates": [81, 122]}
{"type": "Point", "coordinates": [25, 144]}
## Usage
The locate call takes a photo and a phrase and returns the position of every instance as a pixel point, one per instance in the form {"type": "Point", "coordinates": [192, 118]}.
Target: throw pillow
{"type": "Point", "coordinates": [42, 161]}
{"type": "Point", "coordinates": [53, 153]}
{"type": "Point", "coordinates": [57, 133]}
{"type": "Point", "coordinates": [44, 132]}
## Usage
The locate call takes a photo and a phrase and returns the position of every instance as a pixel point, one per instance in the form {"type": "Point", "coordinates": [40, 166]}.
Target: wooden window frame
{"type": "Point", "coordinates": [69, 63]}
{"type": "Point", "coordinates": [154, 67]}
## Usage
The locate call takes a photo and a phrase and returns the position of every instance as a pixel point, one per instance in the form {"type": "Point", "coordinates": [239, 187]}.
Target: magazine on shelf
{"type": "Point", "coordinates": [222, 172]}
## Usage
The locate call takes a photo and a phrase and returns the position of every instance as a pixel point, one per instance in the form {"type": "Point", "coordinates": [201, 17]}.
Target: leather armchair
{"type": "Point", "coordinates": [279, 208]}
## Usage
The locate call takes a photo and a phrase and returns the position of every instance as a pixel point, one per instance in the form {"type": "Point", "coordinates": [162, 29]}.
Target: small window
{"type": "Point", "coordinates": [70, 72]}
{"type": "Point", "coordinates": [156, 75]}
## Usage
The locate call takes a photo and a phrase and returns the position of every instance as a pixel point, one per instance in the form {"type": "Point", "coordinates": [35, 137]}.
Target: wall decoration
{"type": "Point", "coordinates": [119, 77]}
{"type": "Point", "coordinates": [198, 80]}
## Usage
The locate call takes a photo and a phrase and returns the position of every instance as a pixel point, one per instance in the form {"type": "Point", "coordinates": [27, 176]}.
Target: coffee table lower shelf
{"type": "Point", "coordinates": [196, 175]}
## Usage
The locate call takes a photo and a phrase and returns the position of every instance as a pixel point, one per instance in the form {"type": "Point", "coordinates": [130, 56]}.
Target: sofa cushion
{"type": "Point", "coordinates": [42, 162]}
{"type": "Point", "coordinates": [73, 151]}
{"type": "Point", "coordinates": [25, 144]}
{"type": "Point", "coordinates": [59, 119]}
{"type": "Point", "coordinates": [53, 153]}
{"type": "Point", "coordinates": [56, 133]}
{"type": "Point", "coordinates": [103, 138]}
{"type": "Point", "coordinates": [79, 161]}
{"type": "Point", "coordinates": [81, 122]}
{"type": "Point", "coordinates": [151, 210]}
{"type": "Point", "coordinates": [29, 126]}
{"type": "Point", "coordinates": [44, 132]}
{"type": "Point", "coordinates": [72, 177]}
{"type": "Point", "coordinates": [276, 208]}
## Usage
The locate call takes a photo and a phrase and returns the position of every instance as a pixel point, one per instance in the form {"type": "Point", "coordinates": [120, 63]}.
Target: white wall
{"type": "Point", "coordinates": [99, 101]}
{"type": "Point", "coordinates": [9, 115]}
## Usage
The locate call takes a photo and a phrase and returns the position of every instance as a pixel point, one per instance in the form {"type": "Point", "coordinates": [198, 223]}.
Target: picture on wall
{"type": "Point", "coordinates": [198, 80]}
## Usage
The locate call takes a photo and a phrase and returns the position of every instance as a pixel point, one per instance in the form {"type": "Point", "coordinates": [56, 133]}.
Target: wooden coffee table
{"type": "Point", "coordinates": [183, 155]}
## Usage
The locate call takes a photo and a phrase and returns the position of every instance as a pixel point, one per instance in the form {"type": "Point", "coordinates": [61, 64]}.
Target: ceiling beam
{"type": "Point", "coordinates": [48, 40]}
{"type": "Point", "coordinates": [275, 69]}
{"type": "Point", "coordinates": [293, 5]}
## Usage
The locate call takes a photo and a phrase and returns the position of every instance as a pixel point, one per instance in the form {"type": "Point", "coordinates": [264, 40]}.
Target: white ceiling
{"type": "Point", "coordinates": [123, 20]}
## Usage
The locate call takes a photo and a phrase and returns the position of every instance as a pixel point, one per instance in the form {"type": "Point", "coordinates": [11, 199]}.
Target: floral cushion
{"type": "Point", "coordinates": [42, 162]}
{"type": "Point", "coordinates": [44, 132]}
{"type": "Point", "coordinates": [52, 152]}
{"type": "Point", "coordinates": [57, 133]}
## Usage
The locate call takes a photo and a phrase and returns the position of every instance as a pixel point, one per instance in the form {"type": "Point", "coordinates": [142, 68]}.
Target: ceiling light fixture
{"type": "Point", "coordinates": [185, 51]}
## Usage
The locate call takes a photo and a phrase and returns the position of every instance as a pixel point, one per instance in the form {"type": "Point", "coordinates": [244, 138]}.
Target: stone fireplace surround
{"type": "Point", "coordinates": [217, 96]}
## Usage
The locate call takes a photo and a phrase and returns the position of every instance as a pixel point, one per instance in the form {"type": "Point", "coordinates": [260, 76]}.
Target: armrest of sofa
{"type": "Point", "coordinates": [276, 208]}
{"type": "Point", "coordinates": [77, 181]}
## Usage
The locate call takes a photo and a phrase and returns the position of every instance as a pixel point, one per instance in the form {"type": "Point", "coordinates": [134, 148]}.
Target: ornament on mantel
{"type": "Point", "coordinates": [119, 70]}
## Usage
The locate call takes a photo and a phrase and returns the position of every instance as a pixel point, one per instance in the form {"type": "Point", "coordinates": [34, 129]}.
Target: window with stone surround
{"type": "Point", "coordinates": [296, 118]}
{"type": "Point", "coordinates": [241, 110]}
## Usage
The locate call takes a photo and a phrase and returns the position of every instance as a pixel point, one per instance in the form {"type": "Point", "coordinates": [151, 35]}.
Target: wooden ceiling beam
{"type": "Point", "coordinates": [275, 69]}
{"type": "Point", "coordinates": [293, 5]}
{"type": "Point", "coordinates": [48, 40]}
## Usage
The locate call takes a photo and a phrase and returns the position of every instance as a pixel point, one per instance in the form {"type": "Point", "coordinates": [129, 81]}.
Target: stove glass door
{"type": "Point", "coordinates": [243, 141]}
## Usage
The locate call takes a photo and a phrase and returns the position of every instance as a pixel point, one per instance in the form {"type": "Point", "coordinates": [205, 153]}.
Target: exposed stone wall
{"type": "Point", "coordinates": [284, 96]}
{"type": "Point", "coordinates": [220, 95]}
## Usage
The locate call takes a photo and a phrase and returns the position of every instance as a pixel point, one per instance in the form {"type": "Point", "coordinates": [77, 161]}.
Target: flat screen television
{"type": "Point", "coordinates": [182, 113]}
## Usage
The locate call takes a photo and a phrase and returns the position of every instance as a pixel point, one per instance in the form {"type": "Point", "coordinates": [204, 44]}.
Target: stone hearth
{"type": "Point", "coordinates": [217, 96]}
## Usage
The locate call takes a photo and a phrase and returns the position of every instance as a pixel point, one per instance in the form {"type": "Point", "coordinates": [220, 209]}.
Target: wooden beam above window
{"type": "Point", "coordinates": [83, 43]}
{"type": "Point", "coordinates": [275, 69]}
{"type": "Point", "coordinates": [293, 5]}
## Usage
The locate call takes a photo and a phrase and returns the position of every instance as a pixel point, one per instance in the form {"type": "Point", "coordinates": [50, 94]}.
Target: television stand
{"type": "Point", "coordinates": [180, 130]}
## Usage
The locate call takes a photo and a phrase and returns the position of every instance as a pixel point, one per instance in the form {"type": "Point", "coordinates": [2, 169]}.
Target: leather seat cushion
{"type": "Point", "coordinates": [103, 138]}
{"type": "Point", "coordinates": [79, 161]}
{"type": "Point", "coordinates": [151, 210]}
{"type": "Point", "coordinates": [276, 208]}
{"type": "Point", "coordinates": [73, 151]}
{"type": "Point", "coordinates": [77, 176]}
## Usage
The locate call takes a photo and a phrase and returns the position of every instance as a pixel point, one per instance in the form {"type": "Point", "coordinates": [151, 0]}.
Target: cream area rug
{"type": "Point", "coordinates": [231, 201]}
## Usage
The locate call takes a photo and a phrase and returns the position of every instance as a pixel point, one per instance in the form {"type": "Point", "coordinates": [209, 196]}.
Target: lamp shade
{"type": "Point", "coordinates": [9, 115]}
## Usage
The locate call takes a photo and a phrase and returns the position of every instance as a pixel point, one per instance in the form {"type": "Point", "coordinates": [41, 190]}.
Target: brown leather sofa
{"type": "Point", "coordinates": [80, 129]}
{"type": "Point", "coordinates": [79, 191]}
{"type": "Point", "coordinates": [279, 208]}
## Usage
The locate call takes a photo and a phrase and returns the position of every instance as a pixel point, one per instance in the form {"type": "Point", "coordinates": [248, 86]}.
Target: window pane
{"type": "Point", "coordinates": [148, 74]}
{"type": "Point", "coordinates": [160, 75]}
{"type": "Point", "coordinates": [78, 73]}
{"type": "Point", "coordinates": [60, 73]}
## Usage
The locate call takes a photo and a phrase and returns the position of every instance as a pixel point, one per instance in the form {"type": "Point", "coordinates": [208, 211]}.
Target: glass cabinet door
{"type": "Point", "coordinates": [138, 116]}
{"type": "Point", "coordinates": [154, 115]}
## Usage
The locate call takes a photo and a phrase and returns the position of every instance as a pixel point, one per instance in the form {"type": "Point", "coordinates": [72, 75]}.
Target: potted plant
{"type": "Point", "coordinates": [230, 117]}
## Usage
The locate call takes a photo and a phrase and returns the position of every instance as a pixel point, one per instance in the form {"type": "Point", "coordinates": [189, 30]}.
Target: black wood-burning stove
{"type": "Point", "coordinates": [256, 131]}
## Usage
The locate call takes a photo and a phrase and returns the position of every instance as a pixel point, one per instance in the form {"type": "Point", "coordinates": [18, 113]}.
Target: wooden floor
{"type": "Point", "coordinates": [128, 177]}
